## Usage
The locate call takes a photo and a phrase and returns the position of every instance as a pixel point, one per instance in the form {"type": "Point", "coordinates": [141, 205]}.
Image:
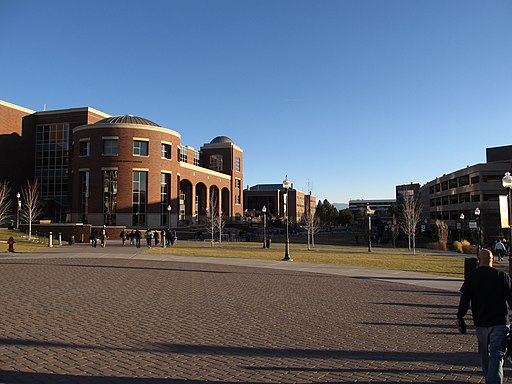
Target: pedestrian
{"type": "Point", "coordinates": [149, 237]}
{"type": "Point", "coordinates": [94, 238]}
{"type": "Point", "coordinates": [487, 291]}
{"type": "Point", "coordinates": [122, 235]}
{"type": "Point", "coordinates": [168, 236]}
{"type": "Point", "coordinates": [500, 249]}
{"type": "Point", "coordinates": [174, 237]}
{"type": "Point", "coordinates": [132, 237]}
{"type": "Point", "coordinates": [138, 237]}
{"type": "Point", "coordinates": [157, 238]}
{"type": "Point", "coordinates": [103, 236]}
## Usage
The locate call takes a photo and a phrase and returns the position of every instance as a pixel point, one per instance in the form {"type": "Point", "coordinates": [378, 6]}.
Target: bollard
{"type": "Point", "coordinates": [163, 240]}
{"type": "Point", "coordinates": [50, 239]}
{"type": "Point", "coordinates": [60, 239]}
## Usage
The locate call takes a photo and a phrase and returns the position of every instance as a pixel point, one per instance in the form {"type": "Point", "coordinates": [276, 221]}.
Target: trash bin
{"type": "Point", "coordinates": [72, 240]}
{"type": "Point", "coordinates": [269, 242]}
{"type": "Point", "coordinates": [470, 264]}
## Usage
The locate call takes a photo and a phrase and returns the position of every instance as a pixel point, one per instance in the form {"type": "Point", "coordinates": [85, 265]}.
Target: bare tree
{"type": "Point", "coordinates": [5, 201]}
{"type": "Point", "coordinates": [310, 220]}
{"type": "Point", "coordinates": [31, 208]}
{"type": "Point", "coordinates": [411, 216]}
{"type": "Point", "coordinates": [212, 217]}
{"type": "Point", "coordinates": [220, 225]}
{"type": "Point", "coordinates": [442, 233]}
{"type": "Point", "coordinates": [312, 223]}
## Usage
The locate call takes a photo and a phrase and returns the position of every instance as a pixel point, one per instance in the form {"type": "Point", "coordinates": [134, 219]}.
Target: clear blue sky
{"type": "Point", "coordinates": [354, 96]}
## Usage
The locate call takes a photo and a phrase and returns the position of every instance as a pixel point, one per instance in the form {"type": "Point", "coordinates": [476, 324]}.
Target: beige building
{"type": "Point", "coordinates": [461, 192]}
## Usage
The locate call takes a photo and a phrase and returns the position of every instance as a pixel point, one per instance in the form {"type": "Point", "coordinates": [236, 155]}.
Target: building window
{"type": "Point", "coordinates": [182, 206]}
{"type": "Point", "coordinates": [196, 158]}
{"type": "Point", "coordinates": [84, 195]}
{"type": "Point", "coordinates": [109, 197]}
{"type": "Point", "coordinates": [139, 198]}
{"type": "Point", "coordinates": [237, 164]}
{"type": "Point", "coordinates": [85, 148]}
{"type": "Point", "coordinates": [216, 162]}
{"type": "Point", "coordinates": [140, 148]}
{"type": "Point", "coordinates": [183, 154]}
{"type": "Point", "coordinates": [238, 183]}
{"type": "Point", "coordinates": [51, 168]}
{"type": "Point", "coordinates": [165, 198]}
{"type": "Point", "coordinates": [166, 151]}
{"type": "Point", "coordinates": [110, 147]}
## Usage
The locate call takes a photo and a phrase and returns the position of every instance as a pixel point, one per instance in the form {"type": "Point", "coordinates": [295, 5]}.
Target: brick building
{"type": "Point", "coordinates": [272, 197]}
{"type": "Point", "coordinates": [121, 170]}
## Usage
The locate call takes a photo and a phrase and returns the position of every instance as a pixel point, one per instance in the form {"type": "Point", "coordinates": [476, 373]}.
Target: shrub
{"type": "Point", "coordinates": [464, 247]}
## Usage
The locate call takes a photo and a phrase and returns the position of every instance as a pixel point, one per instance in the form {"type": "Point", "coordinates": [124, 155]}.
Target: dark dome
{"type": "Point", "coordinates": [221, 140]}
{"type": "Point", "coordinates": [127, 119]}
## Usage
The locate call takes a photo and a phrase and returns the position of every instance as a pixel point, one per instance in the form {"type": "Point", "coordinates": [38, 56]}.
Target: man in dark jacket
{"type": "Point", "coordinates": [487, 291]}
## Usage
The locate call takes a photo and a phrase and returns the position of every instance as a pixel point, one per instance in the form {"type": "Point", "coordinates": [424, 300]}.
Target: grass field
{"type": "Point", "coordinates": [382, 258]}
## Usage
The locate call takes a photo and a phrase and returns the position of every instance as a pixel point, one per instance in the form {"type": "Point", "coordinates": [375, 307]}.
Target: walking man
{"type": "Point", "coordinates": [487, 291]}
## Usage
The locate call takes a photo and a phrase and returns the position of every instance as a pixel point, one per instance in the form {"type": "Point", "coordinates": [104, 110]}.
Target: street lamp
{"type": "Point", "coordinates": [507, 183]}
{"type": "Point", "coordinates": [18, 211]}
{"type": "Point", "coordinates": [264, 211]}
{"type": "Point", "coordinates": [479, 230]}
{"type": "Point", "coordinates": [369, 213]}
{"type": "Point", "coordinates": [286, 185]}
{"type": "Point", "coordinates": [461, 226]}
{"type": "Point", "coordinates": [169, 216]}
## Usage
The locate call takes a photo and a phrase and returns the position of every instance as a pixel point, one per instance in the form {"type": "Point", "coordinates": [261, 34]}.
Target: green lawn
{"type": "Point", "coordinates": [22, 245]}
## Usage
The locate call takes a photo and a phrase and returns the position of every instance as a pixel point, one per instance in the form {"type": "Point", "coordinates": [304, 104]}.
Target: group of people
{"type": "Point", "coordinates": [100, 234]}
{"type": "Point", "coordinates": [152, 237]}
{"type": "Point", "coordinates": [135, 236]}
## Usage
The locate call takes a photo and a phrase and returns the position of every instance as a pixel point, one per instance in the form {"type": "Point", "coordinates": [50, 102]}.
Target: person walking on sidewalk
{"type": "Point", "coordinates": [500, 249]}
{"type": "Point", "coordinates": [487, 291]}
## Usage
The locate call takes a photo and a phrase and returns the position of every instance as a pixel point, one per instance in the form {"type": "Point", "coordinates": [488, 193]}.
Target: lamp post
{"type": "Point", "coordinates": [479, 231]}
{"type": "Point", "coordinates": [18, 211]}
{"type": "Point", "coordinates": [286, 186]}
{"type": "Point", "coordinates": [169, 216]}
{"type": "Point", "coordinates": [369, 214]}
{"type": "Point", "coordinates": [461, 217]}
{"type": "Point", "coordinates": [507, 183]}
{"type": "Point", "coordinates": [264, 211]}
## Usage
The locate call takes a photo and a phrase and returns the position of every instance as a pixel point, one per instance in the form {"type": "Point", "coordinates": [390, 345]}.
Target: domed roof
{"type": "Point", "coordinates": [127, 119]}
{"type": "Point", "coordinates": [221, 140]}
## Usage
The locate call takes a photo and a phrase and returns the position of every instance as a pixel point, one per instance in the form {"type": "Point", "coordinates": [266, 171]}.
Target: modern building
{"type": "Point", "coordinates": [412, 190]}
{"type": "Point", "coordinates": [380, 206]}
{"type": "Point", "coordinates": [461, 192]}
{"type": "Point", "coordinates": [120, 170]}
{"type": "Point", "coordinates": [272, 197]}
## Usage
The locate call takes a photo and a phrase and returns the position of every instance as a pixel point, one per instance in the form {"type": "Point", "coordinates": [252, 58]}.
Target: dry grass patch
{"type": "Point", "coordinates": [399, 259]}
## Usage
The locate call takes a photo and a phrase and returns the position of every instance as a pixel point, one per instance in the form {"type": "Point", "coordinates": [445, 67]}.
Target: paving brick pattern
{"type": "Point", "coordinates": [95, 321]}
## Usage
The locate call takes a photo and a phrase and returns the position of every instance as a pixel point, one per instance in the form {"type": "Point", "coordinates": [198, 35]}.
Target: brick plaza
{"type": "Point", "coordinates": [116, 320]}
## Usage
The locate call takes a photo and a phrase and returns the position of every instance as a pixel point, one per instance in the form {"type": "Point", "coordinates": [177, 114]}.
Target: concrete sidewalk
{"type": "Point", "coordinates": [114, 249]}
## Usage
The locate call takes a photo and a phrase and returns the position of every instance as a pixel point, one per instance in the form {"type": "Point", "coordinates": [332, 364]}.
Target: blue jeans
{"type": "Point", "coordinates": [492, 345]}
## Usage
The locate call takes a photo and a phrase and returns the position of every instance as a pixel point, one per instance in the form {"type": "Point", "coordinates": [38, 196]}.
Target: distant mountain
{"type": "Point", "coordinates": [340, 206]}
